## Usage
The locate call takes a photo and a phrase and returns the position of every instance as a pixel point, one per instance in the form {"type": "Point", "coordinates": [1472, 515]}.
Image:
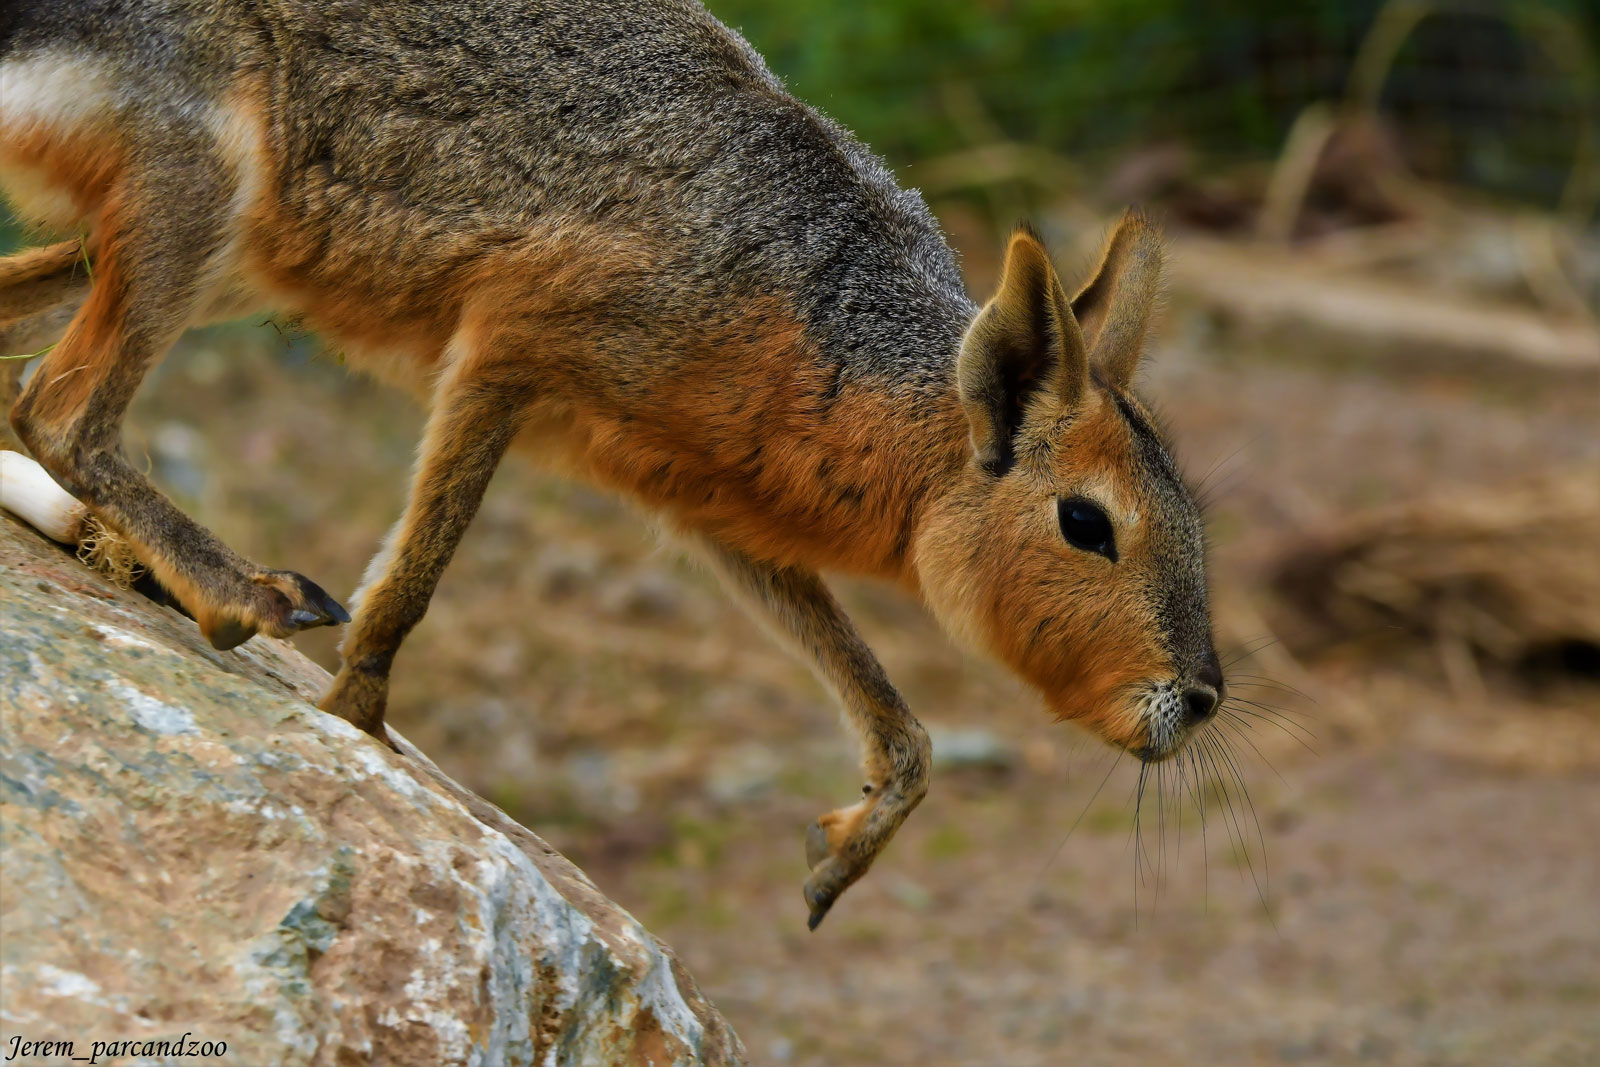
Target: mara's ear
{"type": "Point", "coordinates": [1115, 304]}
{"type": "Point", "coordinates": [1023, 341]}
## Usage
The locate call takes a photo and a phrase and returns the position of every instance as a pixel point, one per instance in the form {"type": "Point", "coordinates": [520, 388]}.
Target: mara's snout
{"type": "Point", "coordinates": [1152, 718]}
{"type": "Point", "coordinates": [1169, 712]}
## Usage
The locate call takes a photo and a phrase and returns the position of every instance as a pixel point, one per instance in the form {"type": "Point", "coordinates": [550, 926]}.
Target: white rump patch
{"type": "Point", "coordinates": [54, 91]}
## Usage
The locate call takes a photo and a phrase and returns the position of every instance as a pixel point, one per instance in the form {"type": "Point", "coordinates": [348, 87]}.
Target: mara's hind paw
{"type": "Point", "coordinates": [280, 603]}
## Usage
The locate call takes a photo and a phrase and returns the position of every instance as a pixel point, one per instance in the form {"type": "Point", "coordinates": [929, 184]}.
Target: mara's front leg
{"type": "Point", "coordinates": [478, 406]}
{"type": "Point", "coordinates": [842, 844]}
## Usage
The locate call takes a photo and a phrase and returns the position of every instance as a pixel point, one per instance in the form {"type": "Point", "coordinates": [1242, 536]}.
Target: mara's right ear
{"type": "Point", "coordinates": [1115, 304]}
{"type": "Point", "coordinates": [1023, 342]}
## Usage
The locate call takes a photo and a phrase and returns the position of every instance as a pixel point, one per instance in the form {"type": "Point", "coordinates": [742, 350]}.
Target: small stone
{"type": "Point", "coordinates": [562, 570]}
{"type": "Point", "coordinates": [178, 451]}
{"type": "Point", "coordinates": [972, 749]}
{"type": "Point", "coordinates": [747, 772]}
{"type": "Point", "coordinates": [911, 895]}
{"type": "Point", "coordinates": [646, 596]}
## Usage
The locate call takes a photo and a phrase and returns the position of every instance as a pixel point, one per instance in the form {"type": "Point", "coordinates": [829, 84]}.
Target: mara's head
{"type": "Point", "coordinates": [1071, 547]}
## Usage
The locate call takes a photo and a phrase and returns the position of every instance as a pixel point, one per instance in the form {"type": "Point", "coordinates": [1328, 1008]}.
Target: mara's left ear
{"type": "Point", "coordinates": [1023, 347]}
{"type": "Point", "coordinates": [1115, 305]}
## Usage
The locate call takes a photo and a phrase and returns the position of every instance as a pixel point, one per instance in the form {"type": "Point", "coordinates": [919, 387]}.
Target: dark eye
{"type": "Point", "coordinates": [1085, 526]}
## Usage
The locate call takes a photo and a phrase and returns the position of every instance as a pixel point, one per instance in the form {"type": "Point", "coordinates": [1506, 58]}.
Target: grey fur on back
{"type": "Point", "coordinates": [646, 117]}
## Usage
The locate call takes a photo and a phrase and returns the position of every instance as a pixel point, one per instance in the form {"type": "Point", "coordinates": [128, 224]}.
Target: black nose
{"type": "Point", "coordinates": [1200, 700]}
{"type": "Point", "coordinates": [1199, 703]}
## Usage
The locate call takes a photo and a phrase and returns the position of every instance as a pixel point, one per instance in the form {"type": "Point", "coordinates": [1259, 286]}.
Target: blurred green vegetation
{"type": "Point", "coordinates": [11, 233]}
{"type": "Point", "coordinates": [1089, 78]}
{"type": "Point", "coordinates": [1477, 88]}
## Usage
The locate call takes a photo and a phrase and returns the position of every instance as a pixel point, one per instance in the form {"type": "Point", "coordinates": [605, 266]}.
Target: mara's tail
{"type": "Point", "coordinates": [40, 290]}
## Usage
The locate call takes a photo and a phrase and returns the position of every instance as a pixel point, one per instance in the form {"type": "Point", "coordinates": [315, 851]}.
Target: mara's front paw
{"type": "Point", "coordinates": [360, 695]}
{"type": "Point", "coordinates": [842, 844]}
{"type": "Point", "coordinates": [830, 873]}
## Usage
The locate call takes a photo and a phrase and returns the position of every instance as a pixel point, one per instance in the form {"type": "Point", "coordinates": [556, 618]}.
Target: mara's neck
{"type": "Point", "coordinates": [815, 440]}
{"type": "Point", "coordinates": [806, 458]}
{"type": "Point", "coordinates": [859, 484]}
{"type": "Point", "coordinates": [865, 440]}
{"type": "Point", "coordinates": [875, 431]}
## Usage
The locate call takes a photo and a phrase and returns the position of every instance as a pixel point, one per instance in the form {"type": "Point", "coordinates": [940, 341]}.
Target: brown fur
{"type": "Point", "coordinates": [89, 352]}
{"type": "Point", "coordinates": [1079, 627]}
{"type": "Point", "coordinates": [473, 421]}
{"type": "Point", "coordinates": [1028, 625]}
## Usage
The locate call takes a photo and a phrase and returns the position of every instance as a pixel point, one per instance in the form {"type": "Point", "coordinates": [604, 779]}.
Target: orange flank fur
{"type": "Point", "coordinates": [82, 165]}
{"type": "Point", "coordinates": [757, 446]}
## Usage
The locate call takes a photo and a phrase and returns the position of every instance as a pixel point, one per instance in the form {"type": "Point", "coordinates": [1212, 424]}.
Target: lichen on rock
{"type": "Point", "coordinates": [188, 845]}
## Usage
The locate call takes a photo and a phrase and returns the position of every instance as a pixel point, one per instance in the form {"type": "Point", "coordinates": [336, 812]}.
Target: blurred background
{"type": "Point", "coordinates": [1380, 359]}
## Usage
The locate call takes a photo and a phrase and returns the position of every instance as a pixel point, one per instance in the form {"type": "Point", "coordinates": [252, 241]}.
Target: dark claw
{"type": "Point", "coordinates": [335, 609]}
{"type": "Point", "coordinates": [303, 618]}
{"type": "Point", "coordinates": [819, 904]}
{"type": "Point", "coordinates": [330, 610]}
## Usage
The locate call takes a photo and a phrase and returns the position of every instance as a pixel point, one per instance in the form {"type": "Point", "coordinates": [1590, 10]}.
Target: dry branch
{"type": "Point", "coordinates": [1504, 575]}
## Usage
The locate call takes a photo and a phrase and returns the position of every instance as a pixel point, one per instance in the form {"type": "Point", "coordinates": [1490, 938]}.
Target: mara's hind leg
{"type": "Point", "coordinates": [40, 291]}
{"type": "Point", "coordinates": [478, 408]}
{"type": "Point", "coordinates": [156, 247]}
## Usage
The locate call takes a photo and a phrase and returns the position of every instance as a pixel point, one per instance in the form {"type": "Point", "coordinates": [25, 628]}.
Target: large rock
{"type": "Point", "coordinates": [188, 845]}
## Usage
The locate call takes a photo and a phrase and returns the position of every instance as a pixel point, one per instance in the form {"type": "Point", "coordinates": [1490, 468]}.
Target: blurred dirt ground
{"type": "Point", "coordinates": [1411, 881]}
